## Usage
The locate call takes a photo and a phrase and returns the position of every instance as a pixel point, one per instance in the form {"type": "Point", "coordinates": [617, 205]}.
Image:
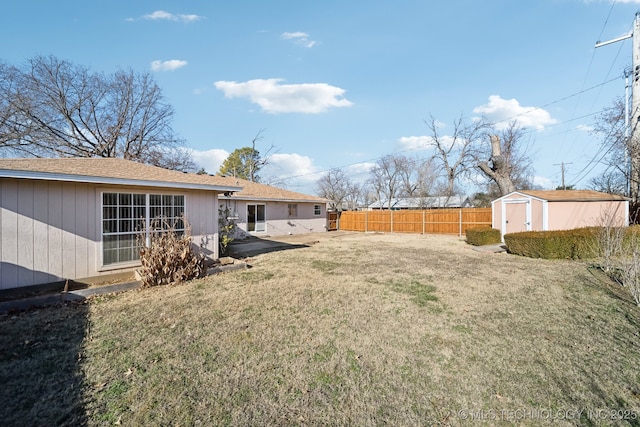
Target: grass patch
{"type": "Point", "coordinates": [420, 293]}
{"type": "Point", "coordinates": [345, 341]}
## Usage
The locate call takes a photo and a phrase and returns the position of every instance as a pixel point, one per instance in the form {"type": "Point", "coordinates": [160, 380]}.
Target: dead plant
{"type": "Point", "coordinates": [167, 255]}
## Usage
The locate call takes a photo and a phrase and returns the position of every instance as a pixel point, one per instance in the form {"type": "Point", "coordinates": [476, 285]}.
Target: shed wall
{"type": "Point", "coordinates": [569, 215]}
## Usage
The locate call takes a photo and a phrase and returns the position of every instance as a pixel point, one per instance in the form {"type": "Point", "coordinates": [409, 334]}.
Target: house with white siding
{"type": "Point", "coordinates": [262, 210]}
{"type": "Point", "coordinates": [76, 218]}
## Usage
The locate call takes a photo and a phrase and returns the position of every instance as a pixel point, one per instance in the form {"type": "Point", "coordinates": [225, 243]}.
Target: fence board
{"type": "Point", "coordinates": [429, 221]}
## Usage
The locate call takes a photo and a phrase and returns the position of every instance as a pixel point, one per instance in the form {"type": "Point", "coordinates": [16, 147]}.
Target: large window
{"type": "Point", "coordinates": [293, 210]}
{"type": "Point", "coordinates": [124, 216]}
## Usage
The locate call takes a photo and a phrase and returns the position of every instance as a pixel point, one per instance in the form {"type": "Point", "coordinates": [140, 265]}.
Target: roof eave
{"type": "Point", "coordinates": [46, 176]}
{"type": "Point", "coordinates": [272, 199]}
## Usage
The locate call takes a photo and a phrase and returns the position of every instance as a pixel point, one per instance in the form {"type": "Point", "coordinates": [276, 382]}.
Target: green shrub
{"type": "Point", "coordinates": [480, 236]}
{"type": "Point", "coordinates": [580, 243]}
{"type": "Point", "coordinates": [227, 228]}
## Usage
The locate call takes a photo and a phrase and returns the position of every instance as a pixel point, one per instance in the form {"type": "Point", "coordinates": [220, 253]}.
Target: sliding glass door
{"type": "Point", "coordinates": [256, 218]}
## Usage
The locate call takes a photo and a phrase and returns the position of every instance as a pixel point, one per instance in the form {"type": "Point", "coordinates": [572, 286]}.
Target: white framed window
{"type": "Point", "coordinates": [126, 215]}
{"type": "Point", "coordinates": [293, 210]}
{"type": "Point", "coordinates": [317, 210]}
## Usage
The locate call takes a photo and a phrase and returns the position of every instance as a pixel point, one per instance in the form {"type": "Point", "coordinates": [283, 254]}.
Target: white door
{"type": "Point", "coordinates": [517, 217]}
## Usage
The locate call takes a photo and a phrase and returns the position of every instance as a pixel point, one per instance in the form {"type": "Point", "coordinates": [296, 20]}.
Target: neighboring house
{"type": "Point", "coordinates": [438, 202]}
{"type": "Point", "coordinates": [541, 210]}
{"type": "Point", "coordinates": [264, 210]}
{"type": "Point", "coordinates": [75, 218]}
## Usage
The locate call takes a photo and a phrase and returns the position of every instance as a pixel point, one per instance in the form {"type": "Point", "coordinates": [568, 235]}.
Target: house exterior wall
{"type": "Point", "coordinates": [52, 231]}
{"type": "Point", "coordinates": [277, 218]}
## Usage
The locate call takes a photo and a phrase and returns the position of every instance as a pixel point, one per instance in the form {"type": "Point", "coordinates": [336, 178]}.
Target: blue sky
{"type": "Point", "coordinates": [342, 83]}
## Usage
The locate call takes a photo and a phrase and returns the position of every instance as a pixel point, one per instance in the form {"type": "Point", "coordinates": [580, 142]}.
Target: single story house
{"type": "Point", "coordinates": [264, 210]}
{"type": "Point", "coordinates": [542, 210]}
{"type": "Point", "coordinates": [74, 218]}
{"type": "Point", "coordinates": [434, 202]}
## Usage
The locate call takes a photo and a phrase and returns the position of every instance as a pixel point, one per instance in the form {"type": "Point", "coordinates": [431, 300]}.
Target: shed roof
{"type": "Point", "coordinates": [573, 195]}
{"type": "Point", "coordinates": [263, 192]}
{"type": "Point", "coordinates": [110, 171]}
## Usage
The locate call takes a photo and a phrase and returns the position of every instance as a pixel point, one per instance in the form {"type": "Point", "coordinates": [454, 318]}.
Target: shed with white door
{"type": "Point", "coordinates": [542, 210]}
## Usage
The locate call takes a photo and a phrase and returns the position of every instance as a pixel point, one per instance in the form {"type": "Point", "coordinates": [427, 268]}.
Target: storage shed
{"type": "Point", "coordinates": [542, 210]}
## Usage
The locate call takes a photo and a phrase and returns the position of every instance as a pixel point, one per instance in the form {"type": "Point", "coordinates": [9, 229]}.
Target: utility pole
{"type": "Point", "coordinates": [564, 187]}
{"type": "Point", "coordinates": [633, 142]}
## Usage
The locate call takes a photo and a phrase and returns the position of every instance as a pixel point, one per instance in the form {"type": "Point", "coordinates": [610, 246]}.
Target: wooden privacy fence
{"type": "Point", "coordinates": [429, 221]}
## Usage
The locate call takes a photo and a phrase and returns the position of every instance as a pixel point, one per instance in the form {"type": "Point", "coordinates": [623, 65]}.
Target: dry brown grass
{"type": "Point", "coordinates": [357, 329]}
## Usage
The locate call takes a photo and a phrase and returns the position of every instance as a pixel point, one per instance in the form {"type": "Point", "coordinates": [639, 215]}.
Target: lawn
{"type": "Point", "coordinates": [356, 329]}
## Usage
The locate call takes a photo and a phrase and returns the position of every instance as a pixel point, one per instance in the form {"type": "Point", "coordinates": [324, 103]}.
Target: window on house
{"type": "Point", "coordinates": [317, 210]}
{"type": "Point", "coordinates": [124, 216]}
{"type": "Point", "coordinates": [293, 210]}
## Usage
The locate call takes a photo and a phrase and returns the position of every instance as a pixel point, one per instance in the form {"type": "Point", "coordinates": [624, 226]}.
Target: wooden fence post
{"type": "Point", "coordinates": [391, 214]}
{"type": "Point", "coordinates": [460, 229]}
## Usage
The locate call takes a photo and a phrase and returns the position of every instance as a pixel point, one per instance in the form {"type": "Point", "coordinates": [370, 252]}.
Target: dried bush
{"type": "Point", "coordinates": [609, 240]}
{"type": "Point", "coordinates": [630, 272]}
{"type": "Point", "coordinates": [170, 256]}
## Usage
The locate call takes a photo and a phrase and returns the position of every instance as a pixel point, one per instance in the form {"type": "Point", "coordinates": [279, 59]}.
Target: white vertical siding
{"type": "Point", "coordinates": [45, 232]}
{"type": "Point", "coordinates": [68, 231]}
{"type": "Point", "coordinates": [54, 229]}
{"type": "Point", "coordinates": [9, 238]}
{"type": "Point", "coordinates": [51, 231]}
{"type": "Point", "coordinates": [202, 214]}
{"type": "Point", "coordinates": [25, 232]}
{"type": "Point", "coordinates": [40, 231]}
{"type": "Point", "coordinates": [81, 229]}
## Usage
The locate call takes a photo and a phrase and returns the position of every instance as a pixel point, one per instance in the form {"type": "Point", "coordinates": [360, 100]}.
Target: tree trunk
{"type": "Point", "coordinates": [499, 171]}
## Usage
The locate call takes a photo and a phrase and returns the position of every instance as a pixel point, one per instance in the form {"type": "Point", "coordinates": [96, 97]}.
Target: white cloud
{"type": "Point", "coordinates": [586, 128]}
{"type": "Point", "coordinates": [415, 142]}
{"type": "Point", "coordinates": [543, 182]}
{"type": "Point", "coordinates": [171, 65]}
{"type": "Point", "coordinates": [210, 160]}
{"type": "Point", "coordinates": [274, 97]}
{"type": "Point", "coordinates": [299, 38]}
{"type": "Point", "coordinates": [503, 111]}
{"type": "Point", "coordinates": [161, 15]}
{"type": "Point", "coordinates": [292, 171]}
{"type": "Point", "coordinates": [290, 165]}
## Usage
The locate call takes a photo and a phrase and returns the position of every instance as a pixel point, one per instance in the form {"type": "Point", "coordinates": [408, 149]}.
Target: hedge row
{"type": "Point", "coordinates": [581, 243]}
{"type": "Point", "coordinates": [480, 236]}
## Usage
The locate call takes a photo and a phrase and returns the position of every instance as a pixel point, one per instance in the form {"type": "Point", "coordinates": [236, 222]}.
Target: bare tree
{"type": "Point", "coordinates": [610, 125]}
{"type": "Point", "coordinates": [456, 153]}
{"type": "Point", "coordinates": [508, 166]}
{"type": "Point", "coordinates": [610, 181]}
{"type": "Point", "coordinates": [52, 107]}
{"type": "Point", "coordinates": [420, 179]}
{"type": "Point", "coordinates": [356, 196]}
{"type": "Point", "coordinates": [335, 186]}
{"type": "Point", "coordinates": [386, 177]}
